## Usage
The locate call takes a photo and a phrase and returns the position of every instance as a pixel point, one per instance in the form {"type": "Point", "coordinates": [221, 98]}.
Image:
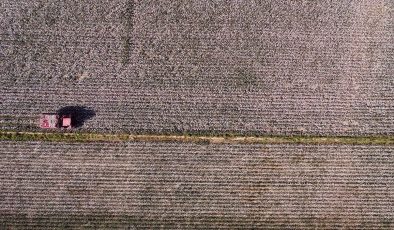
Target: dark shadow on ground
{"type": "Point", "coordinates": [79, 114]}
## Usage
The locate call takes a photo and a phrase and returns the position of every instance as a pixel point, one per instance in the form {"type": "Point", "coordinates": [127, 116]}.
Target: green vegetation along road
{"type": "Point", "coordinates": [217, 139]}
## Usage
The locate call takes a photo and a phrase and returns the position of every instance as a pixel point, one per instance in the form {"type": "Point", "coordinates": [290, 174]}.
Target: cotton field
{"type": "Point", "coordinates": [206, 69]}
{"type": "Point", "coordinates": [175, 185]}
{"type": "Point", "coordinates": [273, 68]}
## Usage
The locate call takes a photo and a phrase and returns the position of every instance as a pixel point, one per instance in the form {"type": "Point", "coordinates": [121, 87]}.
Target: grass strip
{"type": "Point", "coordinates": [102, 137]}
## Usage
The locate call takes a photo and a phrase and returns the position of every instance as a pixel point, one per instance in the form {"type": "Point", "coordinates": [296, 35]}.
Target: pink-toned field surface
{"type": "Point", "coordinates": [245, 67]}
{"type": "Point", "coordinates": [283, 67]}
{"type": "Point", "coordinates": [174, 185]}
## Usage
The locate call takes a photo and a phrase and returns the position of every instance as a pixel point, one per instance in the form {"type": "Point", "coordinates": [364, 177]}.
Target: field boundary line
{"type": "Point", "coordinates": [103, 137]}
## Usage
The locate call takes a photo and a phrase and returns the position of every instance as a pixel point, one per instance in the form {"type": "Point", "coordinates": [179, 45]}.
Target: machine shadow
{"type": "Point", "coordinates": [79, 114]}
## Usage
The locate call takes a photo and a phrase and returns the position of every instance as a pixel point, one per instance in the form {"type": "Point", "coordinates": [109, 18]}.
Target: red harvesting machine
{"type": "Point", "coordinates": [52, 121]}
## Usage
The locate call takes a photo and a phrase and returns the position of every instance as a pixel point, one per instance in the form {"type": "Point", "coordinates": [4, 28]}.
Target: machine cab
{"type": "Point", "coordinates": [53, 121]}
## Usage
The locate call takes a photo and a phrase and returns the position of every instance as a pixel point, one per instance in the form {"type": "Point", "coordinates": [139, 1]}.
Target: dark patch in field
{"type": "Point", "coordinates": [79, 114]}
{"type": "Point", "coordinates": [127, 42]}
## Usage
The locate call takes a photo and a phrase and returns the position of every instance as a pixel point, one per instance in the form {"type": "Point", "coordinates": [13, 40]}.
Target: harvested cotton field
{"type": "Point", "coordinates": [283, 67]}
{"type": "Point", "coordinates": [175, 185]}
